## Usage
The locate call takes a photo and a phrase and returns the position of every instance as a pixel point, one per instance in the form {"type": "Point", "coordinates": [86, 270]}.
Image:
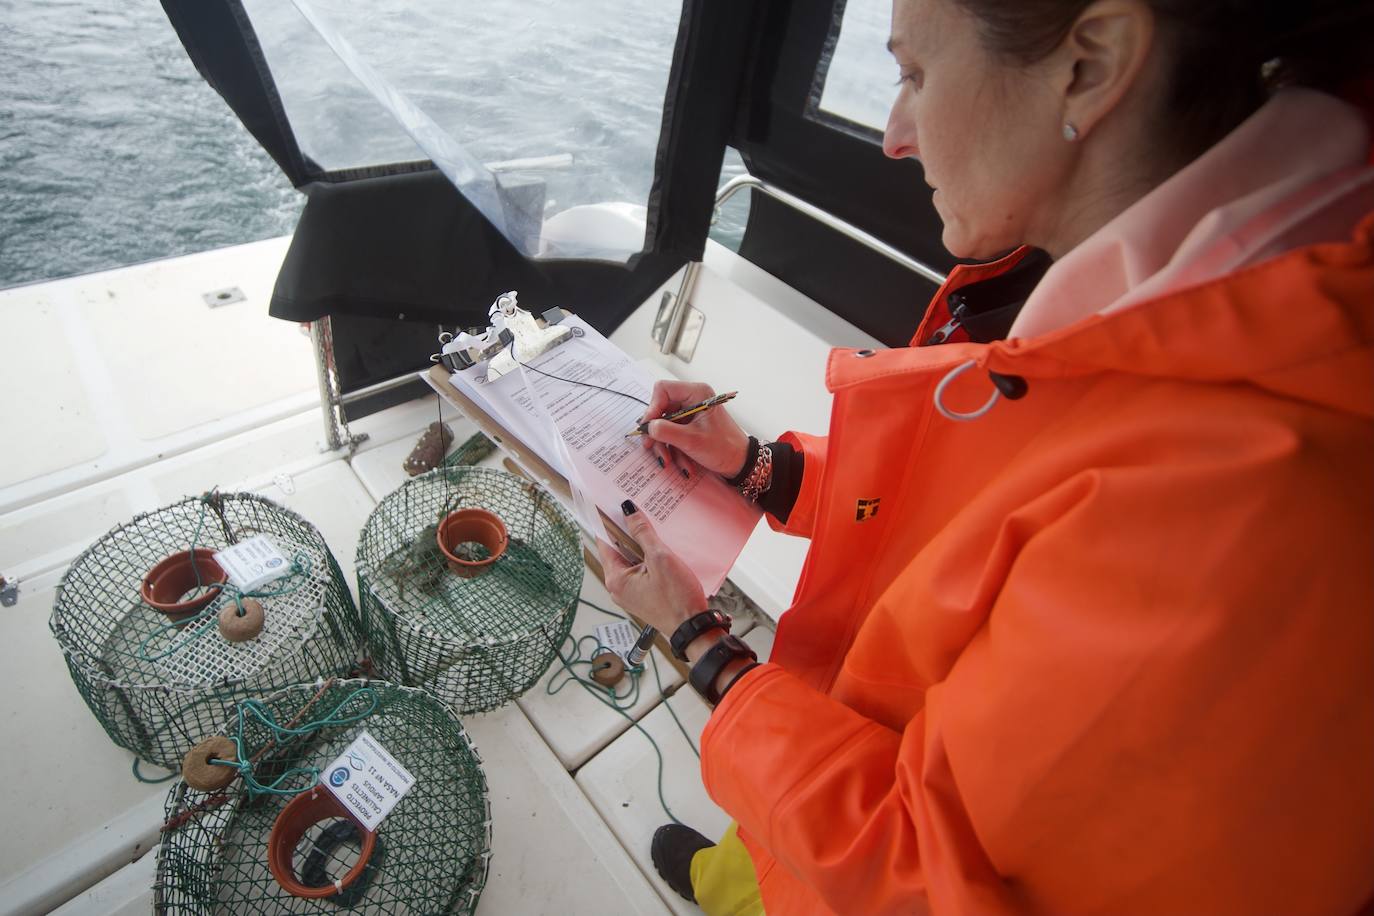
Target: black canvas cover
{"type": "Point", "coordinates": [399, 243]}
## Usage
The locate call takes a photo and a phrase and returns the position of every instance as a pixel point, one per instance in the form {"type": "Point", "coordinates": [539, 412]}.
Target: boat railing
{"type": "Point", "coordinates": [673, 309]}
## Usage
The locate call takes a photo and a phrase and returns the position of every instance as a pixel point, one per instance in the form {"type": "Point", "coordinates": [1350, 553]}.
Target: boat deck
{"type": "Point", "coordinates": [122, 392]}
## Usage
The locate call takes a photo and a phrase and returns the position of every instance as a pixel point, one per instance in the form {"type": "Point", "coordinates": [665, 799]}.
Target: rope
{"type": "Point", "coordinates": [152, 782]}
{"type": "Point", "coordinates": [657, 680]}
{"type": "Point", "coordinates": [219, 798]}
{"type": "Point", "coordinates": [283, 733]}
{"type": "Point", "coordinates": [609, 698]}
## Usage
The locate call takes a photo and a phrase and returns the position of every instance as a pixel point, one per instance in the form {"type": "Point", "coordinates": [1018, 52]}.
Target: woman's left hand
{"type": "Point", "coordinates": [660, 590]}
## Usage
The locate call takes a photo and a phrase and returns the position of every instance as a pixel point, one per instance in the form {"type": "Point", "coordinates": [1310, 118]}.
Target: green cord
{"type": "Point", "coordinates": [152, 782]}
{"type": "Point", "coordinates": [608, 697]}
{"type": "Point", "coordinates": [281, 734]}
{"type": "Point", "coordinates": [672, 712]}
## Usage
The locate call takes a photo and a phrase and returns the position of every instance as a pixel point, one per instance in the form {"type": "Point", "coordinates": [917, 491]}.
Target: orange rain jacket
{"type": "Point", "coordinates": [1109, 649]}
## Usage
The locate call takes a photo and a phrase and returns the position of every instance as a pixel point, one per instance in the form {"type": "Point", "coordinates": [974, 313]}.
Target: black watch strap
{"type": "Point", "coordinates": [694, 626]}
{"type": "Point", "coordinates": [709, 666]}
{"type": "Point", "coordinates": [750, 457]}
{"type": "Point", "coordinates": [738, 674]}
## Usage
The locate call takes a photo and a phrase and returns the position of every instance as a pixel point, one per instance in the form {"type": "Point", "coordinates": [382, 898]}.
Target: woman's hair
{"type": "Point", "coordinates": [1228, 55]}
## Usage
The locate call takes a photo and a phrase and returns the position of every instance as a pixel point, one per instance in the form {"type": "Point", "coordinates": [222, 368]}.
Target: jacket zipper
{"type": "Point", "coordinates": [944, 332]}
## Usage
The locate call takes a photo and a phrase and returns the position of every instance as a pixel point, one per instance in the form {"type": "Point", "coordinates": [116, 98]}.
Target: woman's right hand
{"type": "Point", "coordinates": [710, 438]}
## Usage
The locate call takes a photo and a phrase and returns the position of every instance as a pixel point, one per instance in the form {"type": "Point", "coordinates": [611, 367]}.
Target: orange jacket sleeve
{"type": "Point", "coordinates": [803, 516]}
{"type": "Point", "coordinates": [1169, 708]}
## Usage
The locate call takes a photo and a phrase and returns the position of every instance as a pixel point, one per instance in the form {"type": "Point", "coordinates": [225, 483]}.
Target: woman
{"type": "Point", "coordinates": [1087, 623]}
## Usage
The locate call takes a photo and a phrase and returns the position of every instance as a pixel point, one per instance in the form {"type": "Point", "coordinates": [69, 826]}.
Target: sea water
{"type": "Point", "coordinates": [113, 150]}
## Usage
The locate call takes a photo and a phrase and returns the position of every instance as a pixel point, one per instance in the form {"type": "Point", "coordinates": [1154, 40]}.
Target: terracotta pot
{"type": "Point", "coordinates": [166, 583]}
{"type": "Point", "coordinates": [466, 525]}
{"type": "Point", "coordinates": [303, 812]}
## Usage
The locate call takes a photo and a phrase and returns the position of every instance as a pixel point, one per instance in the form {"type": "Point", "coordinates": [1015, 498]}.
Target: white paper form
{"type": "Point", "coordinates": [701, 519]}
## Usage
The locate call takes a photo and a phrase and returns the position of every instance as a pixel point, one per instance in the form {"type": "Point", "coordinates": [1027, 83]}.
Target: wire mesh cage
{"type": "Point", "coordinates": [155, 639]}
{"type": "Point", "coordinates": [480, 624]}
{"type": "Point", "coordinates": [277, 840]}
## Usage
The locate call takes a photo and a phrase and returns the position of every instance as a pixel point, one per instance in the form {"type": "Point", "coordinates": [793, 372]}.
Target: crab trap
{"type": "Point", "coordinates": [468, 581]}
{"type": "Point", "coordinates": [161, 641]}
{"type": "Point", "coordinates": [345, 795]}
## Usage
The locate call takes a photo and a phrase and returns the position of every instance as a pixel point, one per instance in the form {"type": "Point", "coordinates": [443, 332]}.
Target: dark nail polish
{"type": "Point", "coordinates": [628, 507]}
{"type": "Point", "coordinates": [660, 460]}
{"type": "Point", "coordinates": [685, 474]}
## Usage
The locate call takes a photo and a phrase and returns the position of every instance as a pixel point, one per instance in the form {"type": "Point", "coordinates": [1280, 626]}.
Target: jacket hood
{"type": "Point", "coordinates": [1300, 325]}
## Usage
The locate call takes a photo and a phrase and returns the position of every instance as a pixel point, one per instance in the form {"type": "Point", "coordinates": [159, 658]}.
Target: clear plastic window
{"type": "Point", "coordinates": [532, 108]}
{"type": "Point", "coordinates": [857, 81]}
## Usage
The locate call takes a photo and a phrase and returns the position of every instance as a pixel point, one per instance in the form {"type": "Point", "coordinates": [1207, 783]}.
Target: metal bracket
{"type": "Point", "coordinates": [664, 318]}
{"type": "Point", "coordinates": [692, 324]}
{"type": "Point", "coordinates": [9, 592]}
{"type": "Point", "coordinates": [678, 330]}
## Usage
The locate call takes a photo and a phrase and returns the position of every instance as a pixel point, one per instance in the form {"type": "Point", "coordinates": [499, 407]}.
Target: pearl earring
{"type": "Point", "coordinates": [1070, 132]}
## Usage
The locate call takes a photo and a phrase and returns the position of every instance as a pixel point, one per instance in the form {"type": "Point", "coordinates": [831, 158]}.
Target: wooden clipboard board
{"type": "Point", "coordinates": [530, 465]}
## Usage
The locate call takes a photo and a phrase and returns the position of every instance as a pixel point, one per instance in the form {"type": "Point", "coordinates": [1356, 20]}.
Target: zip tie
{"type": "Point", "coordinates": [950, 376]}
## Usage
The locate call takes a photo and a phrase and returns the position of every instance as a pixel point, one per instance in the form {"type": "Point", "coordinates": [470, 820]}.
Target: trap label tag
{"type": "Point", "coordinates": [252, 563]}
{"type": "Point", "coordinates": [367, 780]}
{"type": "Point", "coordinates": [619, 637]}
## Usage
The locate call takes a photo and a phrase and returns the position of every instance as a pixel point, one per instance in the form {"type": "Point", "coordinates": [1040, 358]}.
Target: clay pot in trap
{"type": "Point", "coordinates": [314, 806]}
{"type": "Point", "coordinates": [461, 531]}
{"type": "Point", "coordinates": [167, 583]}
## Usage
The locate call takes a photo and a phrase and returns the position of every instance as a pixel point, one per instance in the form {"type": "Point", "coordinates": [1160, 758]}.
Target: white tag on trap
{"type": "Point", "coordinates": [252, 563]}
{"type": "Point", "coordinates": [367, 780]}
{"type": "Point", "coordinates": [619, 637]}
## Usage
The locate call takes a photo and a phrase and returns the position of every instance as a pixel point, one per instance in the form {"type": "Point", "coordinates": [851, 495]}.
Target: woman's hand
{"type": "Point", "coordinates": [710, 438]}
{"type": "Point", "coordinates": [661, 591]}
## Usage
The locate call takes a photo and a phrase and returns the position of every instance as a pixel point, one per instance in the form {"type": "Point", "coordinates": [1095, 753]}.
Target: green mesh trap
{"type": "Point", "coordinates": [158, 688]}
{"type": "Point", "coordinates": [475, 642]}
{"type": "Point", "coordinates": [429, 855]}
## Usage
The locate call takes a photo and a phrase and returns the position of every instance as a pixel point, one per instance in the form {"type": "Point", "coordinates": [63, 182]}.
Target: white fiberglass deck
{"type": "Point", "coordinates": [122, 392]}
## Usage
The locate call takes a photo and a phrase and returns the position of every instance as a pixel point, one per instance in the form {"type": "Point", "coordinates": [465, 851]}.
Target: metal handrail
{"type": "Point", "coordinates": [848, 230]}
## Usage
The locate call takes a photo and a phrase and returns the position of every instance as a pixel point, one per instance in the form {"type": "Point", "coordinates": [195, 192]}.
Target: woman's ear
{"type": "Point", "coordinates": [1102, 57]}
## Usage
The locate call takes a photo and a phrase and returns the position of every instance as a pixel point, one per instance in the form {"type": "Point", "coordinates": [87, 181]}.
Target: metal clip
{"type": "Point", "coordinates": [943, 332]}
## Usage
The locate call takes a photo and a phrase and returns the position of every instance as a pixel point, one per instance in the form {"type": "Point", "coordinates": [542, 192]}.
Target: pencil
{"type": "Point", "coordinates": [643, 428]}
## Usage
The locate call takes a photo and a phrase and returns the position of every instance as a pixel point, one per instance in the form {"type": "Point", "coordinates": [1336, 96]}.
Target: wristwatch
{"type": "Point", "coordinates": [709, 666]}
{"type": "Point", "coordinates": [694, 626]}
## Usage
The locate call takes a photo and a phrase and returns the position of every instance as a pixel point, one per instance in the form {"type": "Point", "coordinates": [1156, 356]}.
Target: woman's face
{"type": "Point", "coordinates": [989, 134]}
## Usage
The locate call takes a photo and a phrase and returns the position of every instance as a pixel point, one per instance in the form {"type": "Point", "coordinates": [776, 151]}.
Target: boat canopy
{"type": "Point", "coordinates": [441, 167]}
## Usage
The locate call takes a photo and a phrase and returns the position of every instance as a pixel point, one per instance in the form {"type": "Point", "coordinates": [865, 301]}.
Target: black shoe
{"type": "Point", "coordinates": [672, 850]}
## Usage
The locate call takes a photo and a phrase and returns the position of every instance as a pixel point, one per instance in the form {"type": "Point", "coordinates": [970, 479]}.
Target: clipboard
{"type": "Point", "coordinates": [527, 460]}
